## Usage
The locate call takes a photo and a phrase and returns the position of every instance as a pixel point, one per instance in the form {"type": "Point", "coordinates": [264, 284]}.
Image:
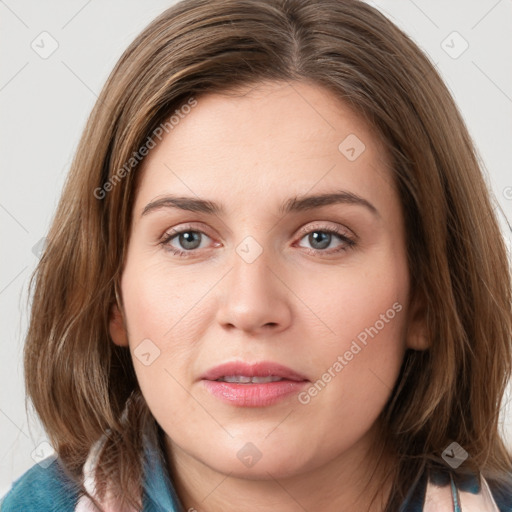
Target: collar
{"type": "Point", "coordinates": [159, 495]}
{"type": "Point", "coordinates": [439, 490]}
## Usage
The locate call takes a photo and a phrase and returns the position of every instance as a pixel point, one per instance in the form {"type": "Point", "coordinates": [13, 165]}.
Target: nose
{"type": "Point", "coordinates": [254, 298]}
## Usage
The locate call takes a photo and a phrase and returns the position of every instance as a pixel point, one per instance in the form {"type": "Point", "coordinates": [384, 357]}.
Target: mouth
{"type": "Point", "coordinates": [253, 385]}
{"type": "Point", "coordinates": [245, 373]}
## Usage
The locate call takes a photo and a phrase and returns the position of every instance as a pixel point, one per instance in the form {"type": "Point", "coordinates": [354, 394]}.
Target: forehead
{"type": "Point", "coordinates": [264, 140]}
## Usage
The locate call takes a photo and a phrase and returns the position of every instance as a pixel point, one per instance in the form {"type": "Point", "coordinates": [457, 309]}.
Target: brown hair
{"type": "Point", "coordinates": [80, 382]}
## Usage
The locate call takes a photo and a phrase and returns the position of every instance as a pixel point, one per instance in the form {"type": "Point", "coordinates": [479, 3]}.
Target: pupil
{"type": "Point", "coordinates": [189, 239]}
{"type": "Point", "coordinates": [320, 239]}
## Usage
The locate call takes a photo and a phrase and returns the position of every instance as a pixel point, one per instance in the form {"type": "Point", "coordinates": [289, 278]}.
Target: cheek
{"type": "Point", "coordinates": [358, 358]}
{"type": "Point", "coordinates": [160, 301]}
{"type": "Point", "coordinates": [342, 303]}
{"type": "Point", "coordinates": [169, 311]}
{"type": "Point", "coordinates": [162, 309]}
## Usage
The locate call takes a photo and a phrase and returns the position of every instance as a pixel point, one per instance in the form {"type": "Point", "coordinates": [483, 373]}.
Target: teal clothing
{"type": "Point", "coordinates": [50, 489]}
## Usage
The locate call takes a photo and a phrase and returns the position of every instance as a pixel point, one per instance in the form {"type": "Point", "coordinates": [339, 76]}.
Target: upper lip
{"type": "Point", "coordinates": [258, 369]}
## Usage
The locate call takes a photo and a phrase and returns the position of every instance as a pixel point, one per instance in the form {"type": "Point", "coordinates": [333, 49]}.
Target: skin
{"type": "Point", "coordinates": [296, 304]}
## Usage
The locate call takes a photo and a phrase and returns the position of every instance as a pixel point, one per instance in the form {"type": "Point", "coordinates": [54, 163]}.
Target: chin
{"type": "Point", "coordinates": [260, 460]}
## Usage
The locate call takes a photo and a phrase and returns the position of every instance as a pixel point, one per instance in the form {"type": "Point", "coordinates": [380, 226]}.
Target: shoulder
{"type": "Point", "coordinates": [43, 490]}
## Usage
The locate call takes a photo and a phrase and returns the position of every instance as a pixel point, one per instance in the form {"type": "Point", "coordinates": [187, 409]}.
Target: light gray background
{"type": "Point", "coordinates": [45, 102]}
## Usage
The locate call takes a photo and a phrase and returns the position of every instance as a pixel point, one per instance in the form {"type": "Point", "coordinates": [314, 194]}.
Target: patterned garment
{"type": "Point", "coordinates": [445, 492]}
{"type": "Point", "coordinates": [49, 490]}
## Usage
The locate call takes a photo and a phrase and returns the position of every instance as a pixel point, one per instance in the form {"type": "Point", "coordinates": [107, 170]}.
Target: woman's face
{"type": "Point", "coordinates": [291, 261]}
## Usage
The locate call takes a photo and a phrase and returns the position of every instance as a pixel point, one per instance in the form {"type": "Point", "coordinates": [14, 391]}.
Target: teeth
{"type": "Point", "coordinates": [264, 380]}
{"type": "Point", "coordinates": [242, 379]}
{"type": "Point", "coordinates": [239, 379]}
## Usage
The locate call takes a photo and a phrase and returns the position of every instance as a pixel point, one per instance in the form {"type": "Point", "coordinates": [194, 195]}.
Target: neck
{"type": "Point", "coordinates": [357, 480]}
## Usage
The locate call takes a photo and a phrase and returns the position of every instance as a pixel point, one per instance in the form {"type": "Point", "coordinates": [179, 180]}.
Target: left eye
{"type": "Point", "coordinates": [321, 239]}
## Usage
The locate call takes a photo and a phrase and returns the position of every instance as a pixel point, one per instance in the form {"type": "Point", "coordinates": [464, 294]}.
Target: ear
{"type": "Point", "coordinates": [416, 334]}
{"type": "Point", "coordinates": [117, 328]}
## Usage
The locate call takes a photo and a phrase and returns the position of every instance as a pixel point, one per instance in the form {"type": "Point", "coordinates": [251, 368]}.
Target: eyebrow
{"type": "Point", "coordinates": [294, 204]}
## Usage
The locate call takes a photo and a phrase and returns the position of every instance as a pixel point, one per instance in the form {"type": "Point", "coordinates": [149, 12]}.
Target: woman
{"type": "Point", "coordinates": [274, 279]}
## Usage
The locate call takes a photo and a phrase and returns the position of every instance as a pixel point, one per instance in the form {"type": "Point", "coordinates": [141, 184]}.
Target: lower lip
{"type": "Point", "coordinates": [253, 395]}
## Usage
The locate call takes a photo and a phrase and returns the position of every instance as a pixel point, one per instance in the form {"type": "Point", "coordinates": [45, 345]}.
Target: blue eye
{"type": "Point", "coordinates": [188, 239]}
{"type": "Point", "coordinates": [321, 239]}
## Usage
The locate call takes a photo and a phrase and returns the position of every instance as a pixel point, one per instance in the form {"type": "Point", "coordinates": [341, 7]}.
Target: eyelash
{"type": "Point", "coordinates": [349, 243]}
